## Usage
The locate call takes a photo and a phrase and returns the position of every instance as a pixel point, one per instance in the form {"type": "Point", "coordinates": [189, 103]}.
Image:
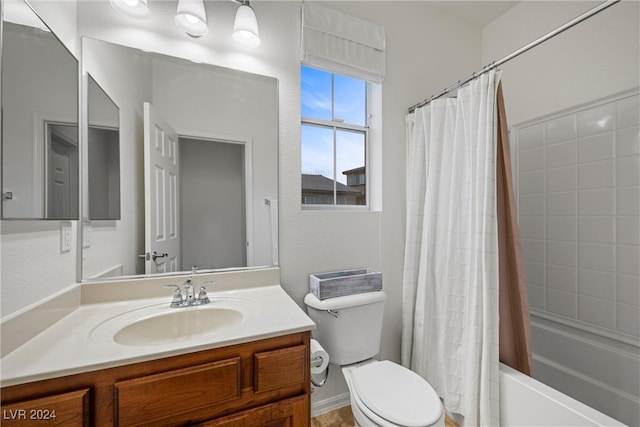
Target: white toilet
{"type": "Point", "coordinates": [383, 393]}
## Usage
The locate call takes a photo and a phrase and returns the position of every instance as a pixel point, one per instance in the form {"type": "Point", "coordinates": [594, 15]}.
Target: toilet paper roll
{"type": "Point", "coordinates": [318, 352]}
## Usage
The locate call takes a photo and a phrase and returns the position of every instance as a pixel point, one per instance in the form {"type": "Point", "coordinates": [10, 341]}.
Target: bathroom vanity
{"type": "Point", "coordinates": [81, 372]}
{"type": "Point", "coordinates": [264, 382]}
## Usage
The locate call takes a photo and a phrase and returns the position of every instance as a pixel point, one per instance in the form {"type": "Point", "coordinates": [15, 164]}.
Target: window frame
{"type": "Point", "coordinates": [339, 125]}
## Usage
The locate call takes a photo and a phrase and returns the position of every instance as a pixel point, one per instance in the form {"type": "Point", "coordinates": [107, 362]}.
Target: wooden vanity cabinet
{"type": "Point", "coordinates": [260, 383]}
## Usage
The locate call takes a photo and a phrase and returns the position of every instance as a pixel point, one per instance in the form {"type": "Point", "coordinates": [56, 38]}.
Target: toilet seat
{"type": "Point", "coordinates": [393, 395]}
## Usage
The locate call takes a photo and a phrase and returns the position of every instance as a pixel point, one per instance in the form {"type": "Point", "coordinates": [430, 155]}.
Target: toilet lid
{"type": "Point", "coordinates": [396, 394]}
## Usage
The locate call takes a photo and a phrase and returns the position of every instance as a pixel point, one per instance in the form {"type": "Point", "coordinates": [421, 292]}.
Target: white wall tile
{"type": "Point", "coordinates": [628, 260]}
{"type": "Point", "coordinates": [532, 227]}
{"type": "Point", "coordinates": [628, 110]}
{"type": "Point", "coordinates": [535, 273]}
{"type": "Point", "coordinates": [628, 141]}
{"type": "Point", "coordinates": [628, 289]}
{"type": "Point", "coordinates": [562, 253]}
{"type": "Point", "coordinates": [597, 311]}
{"type": "Point", "coordinates": [597, 256]}
{"type": "Point", "coordinates": [533, 250]}
{"type": "Point", "coordinates": [563, 154]}
{"type": "Point", "coordinates": [597, 229]}
{"type": "Point", "coordinates": [563, 303]}
{"type": "Point", "coordinates": [594, 283]}
{"type": "Point", "coordinates": [628, 230]}
{"type": "Point", "coordinates": [628, 201]}
{"type": "Point", "coordinates": [596, 120]}
{"type": "Point", "coordinates": [535, 296]}
{"type": "Point", "coordinates": [562, 278]}
{"type": "Point", "coordinates": [561, 179]}
{"type": "Point", "coordinates": [531, 136]}
{"type": "Point", "coordinates": [531, 204]}
{"type": "Point", "coordinates": [564, 203]}
{"type": "Point", "coordinates": [531, 160]}
{"type": "Point", "coordinates": [531, 182]}
{"type": "Point", "coordinates": [560, 129]}
{"type": "Point", "coordinates": [596, 147]}
{"type": "Point", "coordinates": [579, 201]}
{"type": "Point", "coordinates": [628, 171]}
{"type": "Point", "coordinates": [562, 228]}
{"type": "Point", "coordinates": [596, 202]}
{"type": "Point", "coordinates": [596, 175]}
{"type": "Point", "coordinates": [628, 319]}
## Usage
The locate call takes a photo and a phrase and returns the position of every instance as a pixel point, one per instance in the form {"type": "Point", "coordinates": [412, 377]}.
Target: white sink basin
{"type": "Point", "coordinates": [159, 324]}
{"type": "Point", "coordinates": [180, 325]}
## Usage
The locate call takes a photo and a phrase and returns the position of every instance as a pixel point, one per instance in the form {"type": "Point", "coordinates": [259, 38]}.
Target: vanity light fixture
{"type": "Point", "coordinates": [132, 8]}
{"type": "Point", "coordinates": [192, 17]}
{"type": "Point", "coordinates": [245, 28]}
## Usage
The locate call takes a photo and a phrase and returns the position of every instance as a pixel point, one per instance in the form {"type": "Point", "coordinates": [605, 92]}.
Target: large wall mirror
{"type": "Point", "coordinates": [40, 120]}
{"type": "Point", "coordinates": [198, 166]}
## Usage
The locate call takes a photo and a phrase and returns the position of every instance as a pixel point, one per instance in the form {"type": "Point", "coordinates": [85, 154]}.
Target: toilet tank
{"type": "Point", "coordinates": [349, 327]}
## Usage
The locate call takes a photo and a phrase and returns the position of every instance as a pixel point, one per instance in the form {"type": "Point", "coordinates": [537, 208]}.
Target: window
{"type": "Point", "coordinates": [334, 138]}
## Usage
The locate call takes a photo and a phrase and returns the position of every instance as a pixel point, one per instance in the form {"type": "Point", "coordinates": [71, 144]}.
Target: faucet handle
{"type": "Point", "coordinates": [177, 300]}
{"type": "Point", "coordinates": [202, 296]}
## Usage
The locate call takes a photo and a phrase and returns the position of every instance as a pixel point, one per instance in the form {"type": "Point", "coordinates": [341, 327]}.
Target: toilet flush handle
{"type": "Point", "coordinates": [334, 313]}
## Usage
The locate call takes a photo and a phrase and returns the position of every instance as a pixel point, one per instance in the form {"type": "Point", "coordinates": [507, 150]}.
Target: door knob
{"type": "Point", "coordinates": [153, 256]}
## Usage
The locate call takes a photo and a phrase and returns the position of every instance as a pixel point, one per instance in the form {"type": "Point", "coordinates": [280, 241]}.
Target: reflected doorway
{"type": "Point", "coordinates": [61, 199]}
{"type": "Point", "coordinates": [212, 203]}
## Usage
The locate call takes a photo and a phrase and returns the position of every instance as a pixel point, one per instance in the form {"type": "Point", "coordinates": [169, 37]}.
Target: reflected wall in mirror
{"type": "Point", "coordinates": [103, 154]}
{"type": "Point", "coordinates": [221, 210]}
{"type": "Point", "coordinates": [40, 120]}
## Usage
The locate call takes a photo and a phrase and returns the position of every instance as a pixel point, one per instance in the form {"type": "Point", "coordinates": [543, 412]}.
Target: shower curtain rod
{"type": "Point", "coordinates": [588, 14]}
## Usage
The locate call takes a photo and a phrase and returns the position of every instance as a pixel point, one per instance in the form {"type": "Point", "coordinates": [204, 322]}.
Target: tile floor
{"type": "Point", "coordinates": [343, 417]}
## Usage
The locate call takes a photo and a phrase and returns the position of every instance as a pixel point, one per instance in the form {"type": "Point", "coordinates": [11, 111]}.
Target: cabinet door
{"type": "Point", "coordinates": [277, 369]}
{"type": "Point", "coordinates": [148, 400]}
{"type": "Point", "coordinates": [65, 409]}
{"type": "Point", "coordinates": [293, 412]}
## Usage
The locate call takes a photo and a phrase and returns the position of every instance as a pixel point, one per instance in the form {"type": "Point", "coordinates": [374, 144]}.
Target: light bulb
{"type": "Point", "coordinates": [190, 18]}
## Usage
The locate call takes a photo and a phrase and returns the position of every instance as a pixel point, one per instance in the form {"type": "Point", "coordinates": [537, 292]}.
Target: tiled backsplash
{"type": "Point", "coordinates": [579, 210]}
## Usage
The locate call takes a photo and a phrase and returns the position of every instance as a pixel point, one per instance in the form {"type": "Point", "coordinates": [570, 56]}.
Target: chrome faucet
{"type": "Point", "coordinates": [188, 290]}
{"type": "Point", "coordinates": [189, 298]}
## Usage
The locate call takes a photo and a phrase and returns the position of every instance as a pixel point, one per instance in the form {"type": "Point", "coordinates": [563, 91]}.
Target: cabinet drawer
{"type": "Point", "coordinates": [145, 399]}
{"type": "Point", "coordinates": [292, 412]}
{"type": "Point", "coordinates": [279, 368]}
{"type": "Point", "coordinates": [66, 409]}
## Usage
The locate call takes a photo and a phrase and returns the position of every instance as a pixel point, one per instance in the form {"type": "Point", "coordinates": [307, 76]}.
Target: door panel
{"type": "Point", "coordinates": [162, 232]}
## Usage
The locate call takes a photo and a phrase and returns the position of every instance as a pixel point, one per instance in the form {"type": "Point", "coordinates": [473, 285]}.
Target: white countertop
{"type": "Point", "coordinates": [82, 341]}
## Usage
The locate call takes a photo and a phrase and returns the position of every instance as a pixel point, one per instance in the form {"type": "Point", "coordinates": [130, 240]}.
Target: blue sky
{"type": "Point", "coordinates": [349, 100]}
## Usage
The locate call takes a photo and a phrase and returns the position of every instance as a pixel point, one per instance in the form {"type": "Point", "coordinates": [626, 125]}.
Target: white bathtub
{"type": "Point", "coordinates": [525, 401]}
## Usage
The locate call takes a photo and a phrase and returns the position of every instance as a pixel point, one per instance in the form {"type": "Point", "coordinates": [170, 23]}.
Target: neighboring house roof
{"type": "Point", "coordinates": [322, 183]}
{"type": "Point", "coordinates": [352, 171]}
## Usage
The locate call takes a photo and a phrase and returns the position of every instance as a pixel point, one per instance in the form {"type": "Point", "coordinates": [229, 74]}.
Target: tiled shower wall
{"type": "Point", "coordinates": [579, 209]}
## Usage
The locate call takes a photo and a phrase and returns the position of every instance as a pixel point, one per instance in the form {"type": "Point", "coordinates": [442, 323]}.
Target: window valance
{"type": "Point", "coordinates": [340, 43]}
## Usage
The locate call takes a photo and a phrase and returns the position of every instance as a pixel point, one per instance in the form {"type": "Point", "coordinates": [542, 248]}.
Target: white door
{"type": "Point", "coordinates": [162, 239]}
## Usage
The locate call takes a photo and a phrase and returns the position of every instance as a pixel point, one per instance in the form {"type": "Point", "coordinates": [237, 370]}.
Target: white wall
{"type": "Point", "coordinates": [589, 294]}
{"type": "Point", "coordinates": [123, 78]}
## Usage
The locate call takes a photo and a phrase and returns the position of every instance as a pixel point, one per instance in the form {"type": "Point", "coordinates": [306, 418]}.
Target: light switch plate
{"type": "Point", "coordinates": [65, 237]}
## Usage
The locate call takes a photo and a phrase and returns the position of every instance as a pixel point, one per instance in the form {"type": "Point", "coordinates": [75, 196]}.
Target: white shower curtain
{"type": "Point", "coordinates": [450, 285]}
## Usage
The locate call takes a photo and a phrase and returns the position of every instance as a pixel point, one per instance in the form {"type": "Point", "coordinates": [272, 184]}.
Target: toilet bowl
{"type": "Point", "coordinates": [382, 393]}
{"type": "Point", "coordinates": [385, 394]}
